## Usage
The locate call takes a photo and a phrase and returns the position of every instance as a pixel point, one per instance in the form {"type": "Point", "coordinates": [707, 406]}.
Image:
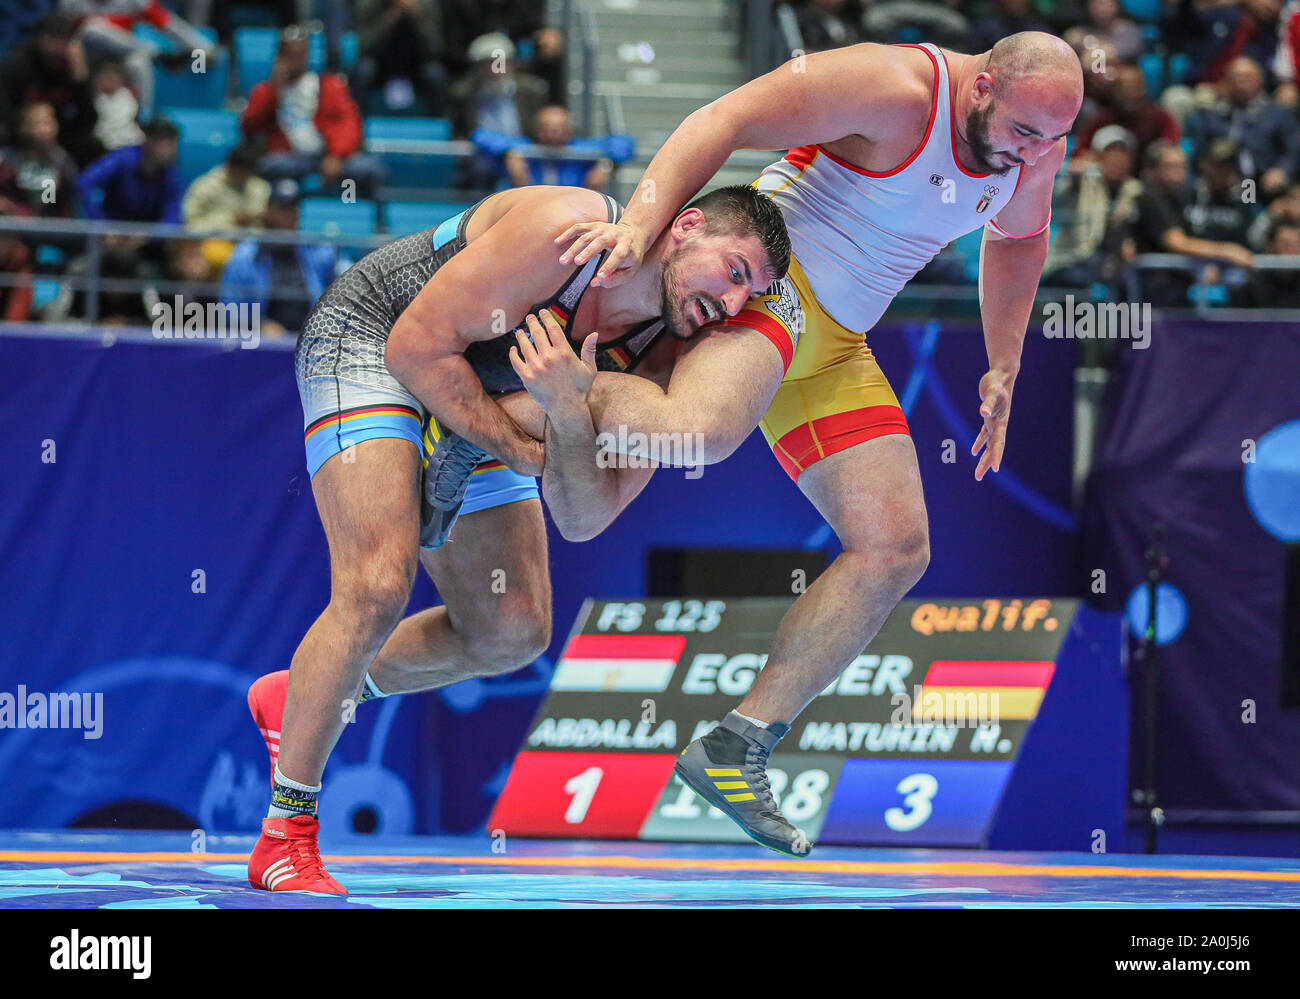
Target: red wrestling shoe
{"type": "Point", "coordinates": [266, 702]}
{"type": "Point", "coordinates": [286, 858]}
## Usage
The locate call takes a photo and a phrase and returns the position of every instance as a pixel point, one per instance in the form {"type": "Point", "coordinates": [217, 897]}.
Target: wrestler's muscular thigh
{"type": "Point", "coordinates": [871, 495]}
{"type": "Point", "coordinates": [368, 503]}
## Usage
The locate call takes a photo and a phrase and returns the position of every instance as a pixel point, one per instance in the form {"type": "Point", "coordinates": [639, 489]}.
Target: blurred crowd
{"type": "Point", "coordinates": [81, 137]}
{"type": "Point", "coordinates": [1188, 142]}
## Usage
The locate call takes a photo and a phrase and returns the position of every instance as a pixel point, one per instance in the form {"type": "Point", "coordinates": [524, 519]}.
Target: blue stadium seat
{"type": "Point", "coordinates": [403, 217]}
{"type": "Point", "coordinates": [337, 218]}
{"type": "Point", "coordinates": [1143, 10]}
{"type": "Point", "coordinates": [1179, 64]}
{"type": "Point", "coordinates": [183, 88]}
{"type": "Point", "coordinates": [408, 169]}
{"type": "Point", "coordinates": [1153, 69]}
{"type": "Point", "coordinates": [207, 135]}
{"type": "Point", "coordinates": [254, 53]}
{"type": "Point", "coordinates": [44, 291]}
{"type": "Point", "coordinates": [253, 15]}
{"type": "Point", "coordinates": [347, 51]}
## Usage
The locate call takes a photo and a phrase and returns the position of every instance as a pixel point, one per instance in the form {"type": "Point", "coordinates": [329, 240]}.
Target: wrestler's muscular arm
{"type": "Point", "coordinates": [583, 494]}
{"type": "Point", "coordinates": [816, 98]}
{"type": "Point", "coordinates": [720, 387]}
{"type": "Point", "coordinates": [726, 380]}
{"type": "Point", "coordinates": [1009, 272]}
{"type": "Point", "coordinates": [495, 279]}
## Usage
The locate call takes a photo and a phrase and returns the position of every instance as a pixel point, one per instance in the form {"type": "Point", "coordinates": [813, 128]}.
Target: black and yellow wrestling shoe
{"type": "Point", "coordinates": [728, 769]}
{"type": "Point", "coordinates": [451, 460]}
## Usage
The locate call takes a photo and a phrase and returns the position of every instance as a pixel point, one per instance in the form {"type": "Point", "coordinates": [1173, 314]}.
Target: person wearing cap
{"type": "Point", "coordinates": [1102, 193]}
{"type": "Point", "coordinates": [308, 122]}
{"type": "Point", "coordinates": [282, 279]}
{"type": "Point", "coordinates": [136, 183]}
{"type": "Point", "coordinates": [494, 94]}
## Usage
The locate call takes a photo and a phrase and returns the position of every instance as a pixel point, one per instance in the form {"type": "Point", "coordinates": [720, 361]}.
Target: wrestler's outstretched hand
{"type": "Point", "coordinates": [995, 410]}
{"type": "Point", "coordinates": [553, 374]}
{"type": "Point", "coordinates": [625, 244]}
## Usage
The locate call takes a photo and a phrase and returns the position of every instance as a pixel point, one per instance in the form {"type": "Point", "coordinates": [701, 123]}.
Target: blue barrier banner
{"type": "Point", "coordinates": [160, 548]}
{"type": "Point", "coordinates": [1203, 439]}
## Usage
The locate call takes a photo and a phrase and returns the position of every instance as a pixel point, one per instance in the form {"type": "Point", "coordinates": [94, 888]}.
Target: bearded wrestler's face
{"type": "Point", "coordinates": [707, 278]}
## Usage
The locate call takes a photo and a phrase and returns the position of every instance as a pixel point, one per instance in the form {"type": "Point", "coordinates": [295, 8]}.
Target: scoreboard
{"type": "Point", "coordinates": [912, 744]}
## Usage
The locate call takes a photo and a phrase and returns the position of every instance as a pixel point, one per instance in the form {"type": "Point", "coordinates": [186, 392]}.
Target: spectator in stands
{"type": "Point", "coordinates": [1129, 107]}
{"type": "Point", "coordinates": [136, 183]}
{"type": "Point", "coordinates": [829, 24]}
{"type": "Point", "coordinates": [51, 67]}
{"type": "Point", "coordinates": [1105, 26]}
{"type": "Point", "coordinates": [282, 279]}
{"type": "Point", "coordinates": [121, 258]}
{"type": "Point", "coordinates": [308, 122]}
{"type": "Point", "coordinates": [553, 132]}
{"type": "Point", "coordinates": [400, 48]}
{"type": "Point", "coordinates": [105, 31]}
{"type": "Point", "coordinates": [1284, 208]}
{"type": "Point", "coordinates": [182, 269]}
{"type": "Point", "coordinates": [494, 94]}
{"type": "Point", "coordinates": [539, 49]}
{"type": "Point", "coordinates": [186, 272]}
{"type": "Point", "coordinates": [1228, 30]}
{"type": "Point", "coordinates": [939, 21]}
{"type": "Point", "coordinates": [1164, 223]}
{"type": "Point", "coordinates": [16, 294]}
{"type": "Point", "coordinates": [1280, 289]}
{"type": "Point", "coordinates": [116, 109]}
{"type": "Point", "coordinates": [38, 176]}
{"type": "Point", "coordinates": [229, 196]}
{"type": "Point", "coordinates": [1101, 194]}
{"type": "Point", "coordinates": [1006, 18]}
{"type": "Point", "coordinates": [1100, 67]}
{"type": "Point", "coordinates": [1263, 130]}
{"type": "Point", "coordinates": [1287, 57]}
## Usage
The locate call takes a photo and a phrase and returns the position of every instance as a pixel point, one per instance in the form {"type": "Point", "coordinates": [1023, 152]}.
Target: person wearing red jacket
{"type": "Point", "coordinates": [308, 122]}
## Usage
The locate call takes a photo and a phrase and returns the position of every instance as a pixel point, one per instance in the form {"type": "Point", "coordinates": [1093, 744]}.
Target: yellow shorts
{"type": "Point", "coordinates": [834, 394]}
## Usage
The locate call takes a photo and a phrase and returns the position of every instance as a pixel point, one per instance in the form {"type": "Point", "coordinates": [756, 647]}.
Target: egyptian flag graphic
{"type": "Point", "coordinates": [618, 662]}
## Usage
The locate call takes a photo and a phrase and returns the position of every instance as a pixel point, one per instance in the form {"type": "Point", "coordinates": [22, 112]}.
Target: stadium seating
{"type": "Point", "coordinates": [207, 135]}
{"type": "Point", "coordinates": [403, 217]}
{"type": "Point", "coordinates": [408, 169]}
{"type": "Point", "coordinates": [337, 218]}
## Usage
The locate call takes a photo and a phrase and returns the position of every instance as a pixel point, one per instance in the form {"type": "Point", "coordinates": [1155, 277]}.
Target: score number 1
{"type": "Point", "coordinates": [583, 788]}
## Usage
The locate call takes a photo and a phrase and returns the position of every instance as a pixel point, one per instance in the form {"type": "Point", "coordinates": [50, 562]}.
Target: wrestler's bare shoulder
{"type": "Point", "coordinates": [549, 206]}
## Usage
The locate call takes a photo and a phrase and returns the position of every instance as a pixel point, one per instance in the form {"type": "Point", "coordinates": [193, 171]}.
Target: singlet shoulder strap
{"type": "Point", "coordinates": [570, 293]}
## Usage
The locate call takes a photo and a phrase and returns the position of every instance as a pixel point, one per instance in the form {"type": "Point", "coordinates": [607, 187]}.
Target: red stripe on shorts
{"type": "Point", "coordinates": [811, 442]}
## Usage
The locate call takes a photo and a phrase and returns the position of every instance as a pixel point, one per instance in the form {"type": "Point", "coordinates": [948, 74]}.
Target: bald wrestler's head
{"type": "Point", "coordinates": [1025, 98]}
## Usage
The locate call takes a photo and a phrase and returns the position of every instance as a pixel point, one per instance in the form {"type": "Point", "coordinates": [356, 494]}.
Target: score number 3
{"type": "Point", "coordinates": [918, 791]}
